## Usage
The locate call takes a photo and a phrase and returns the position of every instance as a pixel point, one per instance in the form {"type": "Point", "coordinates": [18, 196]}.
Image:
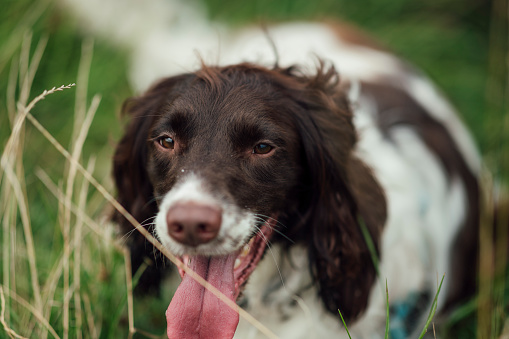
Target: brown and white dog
{"type": "Point", "coordinates": [297, 187]}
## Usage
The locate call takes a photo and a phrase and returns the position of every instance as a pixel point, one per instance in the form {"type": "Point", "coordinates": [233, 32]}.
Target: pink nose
{"type": "Point", "coordinates": [193, 224]}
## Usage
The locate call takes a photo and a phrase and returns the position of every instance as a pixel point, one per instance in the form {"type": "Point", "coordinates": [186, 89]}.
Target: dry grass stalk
{"type": "Point", "coordinates": [12, 165]}
{"type": "Point", "coordinates": [19, 193]}
{"type": "Point", "coordinates": [9, 155]}
{"type": "Point", "coordinates": [8, 210]}
{"type": "Point", "coordinates": [79, 212]}
{"type": "Point", "coordinates": [11, 92]}
{"type": "Point", "coordinates": [50, 287]}
{"type": "Point", "coordinates": [78, 236]}
{"type": "Point", "coordinates": [8, 205]}
{"type": "Point", "coordinates": [39, 316]}
{"type": "Point", "coordinates": [20, 118]}
{"type": "Point", "coordinates": [6, 327]}
{"type": "Point", "coordinates": [92, 330]}
{"type": "Point", "coordinates": [83, 120]}
{"type": "Point", "coordinates": [82, 215]}
{"type": "Point", "coordinates": [129, 283]}
{"type": "Point", "coordinates": [57, 271]}
{"type": "Point", "coordinates": [80, 106]}
{"type": "Point", "coordinates": [27, 70]}
{"type": "Point", "coordinates": [147, 235]}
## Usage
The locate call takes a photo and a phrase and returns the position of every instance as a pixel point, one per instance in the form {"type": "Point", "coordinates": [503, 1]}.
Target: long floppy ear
{"type": "Point", "coordinates": [343, 196]}
{"type": "Point", "coordinates": [134, 189]}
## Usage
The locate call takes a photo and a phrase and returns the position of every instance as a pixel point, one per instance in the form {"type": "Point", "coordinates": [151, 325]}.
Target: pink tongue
{"type": "Point", "coordinates": [194, 312]}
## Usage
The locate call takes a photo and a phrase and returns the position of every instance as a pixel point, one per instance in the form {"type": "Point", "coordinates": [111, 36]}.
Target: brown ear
{"type": "Point", "coordinates": [344, 263]}
{"type": "Point", "coordinates": [368, 196]}
{"type": "Point", "coordinates": [134, 189]}
{"type": "Point", "coordinates": [340, 193]}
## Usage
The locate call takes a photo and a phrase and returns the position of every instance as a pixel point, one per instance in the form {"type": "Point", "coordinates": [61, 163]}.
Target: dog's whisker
{"type": "Point", "coordinates": [145, 224]}
{"type": "Point", "coordinates": [267, 217]}
{"type": "Point", "coordinates": [148, 219]}
{"type": "Point", "coordinates": [274, 229]}
{"type": "Point", "coordinates": [128, 234]}
{"type": "Point", "coordinates": [269, 247]}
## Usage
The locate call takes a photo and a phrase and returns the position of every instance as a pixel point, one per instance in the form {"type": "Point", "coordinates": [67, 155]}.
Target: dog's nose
{"type": "Point", "coordinates": [193, 224]}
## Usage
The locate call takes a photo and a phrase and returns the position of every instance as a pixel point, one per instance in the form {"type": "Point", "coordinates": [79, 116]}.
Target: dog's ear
{"type": "Point", "coordinates": [134, 190]}
{"type": "Point", "coordinates": [341, 196]}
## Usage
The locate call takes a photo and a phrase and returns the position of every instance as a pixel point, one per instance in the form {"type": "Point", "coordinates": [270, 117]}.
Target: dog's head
{"type": "Point", "coordinates": [228, 159]}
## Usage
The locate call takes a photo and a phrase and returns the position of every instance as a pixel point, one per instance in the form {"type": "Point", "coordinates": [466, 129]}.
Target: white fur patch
{"type": "Point", "coordinates": [281, 296]}
{"type": "Point", "coordinates": [236, 225]}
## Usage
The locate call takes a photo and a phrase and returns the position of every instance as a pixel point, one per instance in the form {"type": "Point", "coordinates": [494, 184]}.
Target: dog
{"type": "Point", "coordinates": [300, 188]}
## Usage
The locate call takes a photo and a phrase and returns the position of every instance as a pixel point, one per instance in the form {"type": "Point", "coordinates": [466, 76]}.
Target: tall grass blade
{"type": "Point", "coordinates": [370, 244]}
{"type": "Point", "coordinates": [432, 310]}
{"type": "Point", "coordinates": [387, 322]}
{"type": "Point", "coordinates": [344, 324]}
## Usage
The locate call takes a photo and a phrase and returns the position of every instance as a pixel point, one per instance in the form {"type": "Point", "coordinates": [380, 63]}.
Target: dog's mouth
{"type": "Point", "coordinates": [195, 312]}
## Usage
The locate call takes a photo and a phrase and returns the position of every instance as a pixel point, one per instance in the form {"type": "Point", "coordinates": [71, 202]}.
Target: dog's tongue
{"type": "Point", "coordinates": [194, 312]}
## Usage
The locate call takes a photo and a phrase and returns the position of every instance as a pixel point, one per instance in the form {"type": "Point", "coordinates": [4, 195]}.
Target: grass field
{"type": "Point", "coordinates": [63, 273]}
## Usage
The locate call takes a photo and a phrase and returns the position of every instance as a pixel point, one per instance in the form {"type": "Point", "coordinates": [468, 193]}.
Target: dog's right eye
{"type": "Point", "coordinates": [262, 149]}
{"type": "Point", "coordinates": [166, 142]}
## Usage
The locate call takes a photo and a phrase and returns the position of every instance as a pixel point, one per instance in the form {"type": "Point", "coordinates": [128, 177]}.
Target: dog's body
{"type": "Point", "coordinates": [321, 167]}
{"type": "Point", "coordinates": [414, 188]}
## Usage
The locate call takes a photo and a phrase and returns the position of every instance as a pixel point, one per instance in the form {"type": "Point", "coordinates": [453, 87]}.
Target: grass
{"type": "Point", "coordinates": [64, 273]}
{"type": "Point", "coordinates": [432, 311]}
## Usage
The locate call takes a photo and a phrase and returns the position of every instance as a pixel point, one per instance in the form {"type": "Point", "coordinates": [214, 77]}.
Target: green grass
{"type": "Point", "coordinates": [462, 46]}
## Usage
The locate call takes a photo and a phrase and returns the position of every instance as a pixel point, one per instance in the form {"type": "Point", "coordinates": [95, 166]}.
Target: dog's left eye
{"type": "Point", "coordinates": [262, 149]}
{"type": "Point", "coordinates": [166, 142]}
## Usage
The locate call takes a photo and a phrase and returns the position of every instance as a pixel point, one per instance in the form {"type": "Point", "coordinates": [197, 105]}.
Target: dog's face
{"type": "Point", "coordinates": [222, 162]}
{"type": "Point", "coordinates": [228, 159]}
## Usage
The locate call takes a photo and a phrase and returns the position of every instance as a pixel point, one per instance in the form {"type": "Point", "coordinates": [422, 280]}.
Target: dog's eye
{"type": "Point", "coordinates": [262, 149]}
{"type": "Point", "coordinates": [167, 142]}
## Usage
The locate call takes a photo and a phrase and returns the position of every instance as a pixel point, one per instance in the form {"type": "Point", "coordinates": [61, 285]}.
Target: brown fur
{"type": "Point", "coordinates": [397, 108]}
{"type": "Point", "coordinates": [313, 181]}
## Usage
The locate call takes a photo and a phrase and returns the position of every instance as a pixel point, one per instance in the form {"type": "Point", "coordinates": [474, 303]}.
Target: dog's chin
{"type": "Point", "coordinates": [194, 308]}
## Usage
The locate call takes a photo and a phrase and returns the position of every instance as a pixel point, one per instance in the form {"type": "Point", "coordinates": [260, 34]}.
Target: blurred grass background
{"type": "Point", "coordinates": [461, 45]}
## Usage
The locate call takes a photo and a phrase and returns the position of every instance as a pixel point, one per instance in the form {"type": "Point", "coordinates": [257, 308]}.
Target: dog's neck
{"type": "Point", "coordinates": [285, 275]}
{"type": "Point", "coordinates": [288, 289]}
